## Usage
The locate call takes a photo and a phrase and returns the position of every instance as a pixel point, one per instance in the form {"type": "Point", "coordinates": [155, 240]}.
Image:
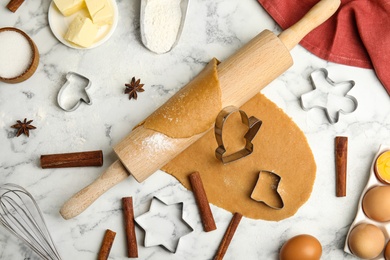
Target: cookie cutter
{"type": "Point", "coordinates": [79, 78]}
{"type": "Point", "coordinates": [324, 96]}
{"type": "Point", "coordinates": [252, 122]}
{"type": "Point", "coordinates": [277, 180]}
{"type": "Point", "coordinates": [157, 218]}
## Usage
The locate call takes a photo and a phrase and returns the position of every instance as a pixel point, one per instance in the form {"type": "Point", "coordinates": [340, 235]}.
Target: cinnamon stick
{"type": "Point", "coordinates": [13, 5]}
{"type": "Point", "coordinates": [341, 145]}
{"type": "Point", "coordinates": [128, 213]}
{"type": "Point", "coordinates": [79, 159]}
{"type": "Point", "coordinates": [202, 202]}
{"type": "Point", "coordinates": [105, 248]}
{"type": "Point", "coordinates": [227, 238]}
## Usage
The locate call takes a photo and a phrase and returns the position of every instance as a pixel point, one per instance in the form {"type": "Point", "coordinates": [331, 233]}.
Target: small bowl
{"type": "Point", "coordinates": [34, 59]}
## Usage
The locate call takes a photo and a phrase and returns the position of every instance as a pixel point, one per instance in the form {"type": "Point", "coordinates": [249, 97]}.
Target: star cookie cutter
{"type": "Point", "coordinates": [80, 79]}
{"type": "Point", "coordinates": [252, 122]}
{"type": "Point", "coordinates": [322, 98]}
{"type": "Point", "coordinates": [161, 229]}
{"type": "Point", "coordinates": [273, 182]}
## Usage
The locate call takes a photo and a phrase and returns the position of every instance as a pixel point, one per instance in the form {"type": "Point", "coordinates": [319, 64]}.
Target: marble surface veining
{"type": "Point", "coordinates": [213, 29]}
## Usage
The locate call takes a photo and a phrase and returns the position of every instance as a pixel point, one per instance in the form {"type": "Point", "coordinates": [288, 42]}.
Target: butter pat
{"type": "Point", "coordinates": [101, 11]}
{"type": "Point", "coordinates": [69, 7]}
{"type": "Point", "coordinates": [82, 31]}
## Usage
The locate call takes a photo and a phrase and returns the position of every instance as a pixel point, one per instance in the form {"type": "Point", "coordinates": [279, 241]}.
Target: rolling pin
{"type": "Point", "coordinates": [254, 66]}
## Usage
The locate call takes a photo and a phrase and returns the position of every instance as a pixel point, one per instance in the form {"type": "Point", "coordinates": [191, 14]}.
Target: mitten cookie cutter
{"type": "Point", "coordinates": [320, 98]}
{"type": "Point", "coordinates": [78, 77]}
{"type": "Point", "coordinates": [252, 122]}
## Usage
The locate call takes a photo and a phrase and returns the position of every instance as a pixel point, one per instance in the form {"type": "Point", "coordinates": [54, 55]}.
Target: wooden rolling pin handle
{"type": "Point", "coordinates": [316, 16]}
{"type": "Point", "coordinates": [84, 198]}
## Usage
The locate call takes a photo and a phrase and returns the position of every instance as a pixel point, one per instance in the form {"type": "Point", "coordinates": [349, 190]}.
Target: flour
{"type": "Point", "coordinates": [161, 24]}
{"type": "Point", "coordinates": [15, 54]}
{"type": "Point", "coordinates": [157, 143]}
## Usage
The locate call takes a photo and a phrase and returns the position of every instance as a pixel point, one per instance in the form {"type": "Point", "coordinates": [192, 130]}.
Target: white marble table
{"type": "Point", "coordinates": [213, 29]}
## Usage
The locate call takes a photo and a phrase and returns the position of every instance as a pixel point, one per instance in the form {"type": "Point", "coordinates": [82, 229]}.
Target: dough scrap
{"type": "Point", "coordinates": [280, 146]}
{"type": "Point", "coordinates": [193, 109]}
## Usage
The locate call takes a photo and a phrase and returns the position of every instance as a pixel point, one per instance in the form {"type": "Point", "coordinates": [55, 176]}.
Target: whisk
{"type": "Point", "coordinates": [20, 214]}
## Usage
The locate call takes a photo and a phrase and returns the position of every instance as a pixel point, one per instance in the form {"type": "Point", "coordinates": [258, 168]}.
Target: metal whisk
{"type": "Point", "coordinates": [20, 214]}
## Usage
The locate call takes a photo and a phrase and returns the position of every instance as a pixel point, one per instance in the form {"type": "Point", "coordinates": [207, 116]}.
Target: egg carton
{"type": "Point", "coordinates": [361, 217]}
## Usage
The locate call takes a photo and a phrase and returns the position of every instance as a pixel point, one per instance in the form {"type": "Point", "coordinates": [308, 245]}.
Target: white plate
{"type": "Point", "coordinates": [59, 25]}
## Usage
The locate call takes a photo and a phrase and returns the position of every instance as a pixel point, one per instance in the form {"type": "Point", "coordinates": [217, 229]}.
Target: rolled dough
{"type": "Point", "coordinates": [193, 109]}
{"type": "Point", "coordinates": [280, 146]}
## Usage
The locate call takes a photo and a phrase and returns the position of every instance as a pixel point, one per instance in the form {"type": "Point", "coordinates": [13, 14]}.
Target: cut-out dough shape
{"type": "Point", "coordinates": [253, 124]}
{"type": "Point", "coordinates": [266, 190]}
{"type": "Point", "coordinates": [164, 225]}
{"type": "Point", "coordinates": [79, 80]}
{"type": "Point", "coordinates": [329, 96]}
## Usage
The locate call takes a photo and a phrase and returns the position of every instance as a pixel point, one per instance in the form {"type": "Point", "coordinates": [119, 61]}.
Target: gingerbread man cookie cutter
{"type": "Point", "coordinates": [321, 97]}
{"type": "Point", "coordinates": [253, 124]}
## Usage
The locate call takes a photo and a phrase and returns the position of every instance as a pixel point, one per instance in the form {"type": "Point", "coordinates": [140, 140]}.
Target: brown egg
{"type": "Point", "coordinates": [387, 251]}
{"type": "Point", "coordinates": [376, 203]}
{"type": "Point", "coordinates": [366, 241]}
{"type": "Point", "coordinates": [301, 247]}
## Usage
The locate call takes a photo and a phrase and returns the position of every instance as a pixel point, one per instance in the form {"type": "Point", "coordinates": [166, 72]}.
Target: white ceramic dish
{"type": "Point", "coordinates": [59, 25]}
{"type": "Point", "coordinates": [360, 216]}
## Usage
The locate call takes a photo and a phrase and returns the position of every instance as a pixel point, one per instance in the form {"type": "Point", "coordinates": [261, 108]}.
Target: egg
{"type": "Point", "coordinates": [387, 251]}
{"type": "Point", "coordinates": [382, 167]}
{"type": "Point", "coordinates": [366, 241]}
{"type": "Point", "coordinates": [301, 247]}
{"type": "Point", "coordinates": [376, 203]}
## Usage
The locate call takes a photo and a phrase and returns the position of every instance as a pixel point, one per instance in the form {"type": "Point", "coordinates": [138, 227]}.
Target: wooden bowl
{"type": "Point", "coordinates": [34, 59]}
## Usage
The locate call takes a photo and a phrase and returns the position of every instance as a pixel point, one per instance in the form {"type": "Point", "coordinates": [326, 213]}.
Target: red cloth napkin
{"type": "Point", "coordinates": [357, 35]}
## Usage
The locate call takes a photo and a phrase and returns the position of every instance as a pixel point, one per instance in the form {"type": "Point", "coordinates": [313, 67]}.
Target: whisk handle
{"type": "Point", "coordinates": [85, 197]}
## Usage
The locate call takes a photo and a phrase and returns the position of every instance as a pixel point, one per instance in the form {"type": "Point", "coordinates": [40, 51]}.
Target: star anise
{"type": "Point", "coordinates": [133, 88]}
{"type": "Point", "coordinates": [23, 127]}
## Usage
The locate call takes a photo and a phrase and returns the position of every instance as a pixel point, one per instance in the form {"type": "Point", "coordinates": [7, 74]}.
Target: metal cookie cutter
{"type": "Point", "coordinates": [323, 98]}
{"type": "Point", "coordinates": [254, 125]}
{"type": "Point", "coordinates": [86, 83]}
{"type": "Point", "coordinates": [162, 228]}
{"type": "Point", "coordinates": [273, 182]}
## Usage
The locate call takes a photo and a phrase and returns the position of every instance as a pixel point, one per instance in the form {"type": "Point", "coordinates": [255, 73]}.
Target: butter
{"type": "Point", "coordinates": [82, 31]}
{"type": "Point", "coordinates": [101, 11]}
{"type": "Point", "coordinates": [69, 7]}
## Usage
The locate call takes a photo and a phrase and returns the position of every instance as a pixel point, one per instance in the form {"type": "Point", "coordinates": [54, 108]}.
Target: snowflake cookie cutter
{"type": "Point", "coordinates": [253, 124]}
{"type": "Point", "coordinates": [322, 98]}
{"type": "Point", "coordinates": [273, 183]}
{"type": "Point", "coordinates": [160, 228]}
{"type": "Point", "coordinates": [80, 79]}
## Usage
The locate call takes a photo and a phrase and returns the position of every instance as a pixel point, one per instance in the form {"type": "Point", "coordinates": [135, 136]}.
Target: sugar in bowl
{"type": "Point", "coordinates": [19, 56]}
